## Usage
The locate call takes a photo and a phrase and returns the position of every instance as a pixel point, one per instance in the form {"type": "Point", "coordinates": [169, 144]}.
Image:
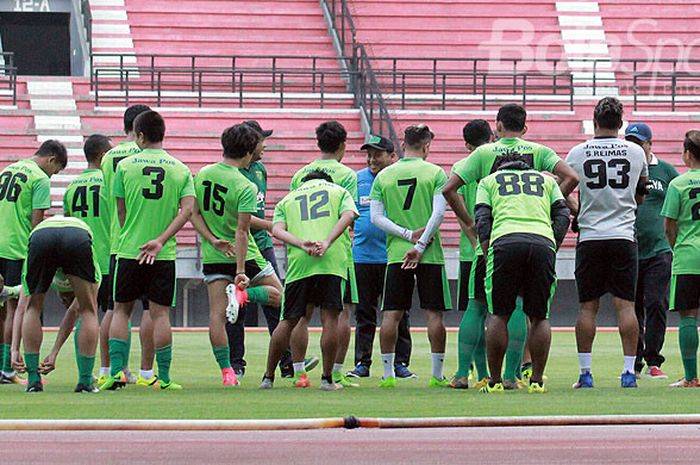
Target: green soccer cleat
{"type": "Point", "coordinates": [461, 382]}
{"type": "Point", "coordinates": [495, 389]}
{"type": "Point", "coordinates": [388, 382]}
{"type": "Point", "coordinates": [171, 386]}
{"type": "Point", "coordinates": [113, 383]}
{"type": "Point", "coordinates": [311, 363]}
{"type": "Point", "coordinates": [438, 383]}
{"type": "Point", "coordinates": [536, 388]}
{"type": "Point", "coordinates": [481, 383]}
{"type": "Point", "coordinates": [340, 378]}
{"type": "Point", "coordinates": [141, 381]}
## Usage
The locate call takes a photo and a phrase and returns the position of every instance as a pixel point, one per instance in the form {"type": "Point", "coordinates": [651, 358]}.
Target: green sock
{"type": "Point", "coordinates": [163, 357]}
{"type": "Point", "coordinates": [470, 328]}
{"type": "Point", "coordinates": [85, 366]}
{"type": "Point", "coordinates": [517, 335]}
{"type": "Point", "coordinates": [222, 356]}
{"type": "Point", "coordinates": [2, 355]}
{"type": "Point", "coordinates": [128, 349]}
{"type": "Point", "coordinates": [7, 362]}
{"type": "Point", "coordinates": [482, 368]}
{"type": "Point", "coordinates": [688, 341]}
{"type": "Point", "coordinates": [75, 343]}
{"type": "Point", "coordinates": [258, 295]}
{"type": "Point", "coordinates": [117, 351]}
{"type": "Point", "coordinates": [32, 362]}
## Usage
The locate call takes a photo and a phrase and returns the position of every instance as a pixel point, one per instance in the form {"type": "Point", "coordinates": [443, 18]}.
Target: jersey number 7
{"type": "Point", "coordinates": [411, 184]}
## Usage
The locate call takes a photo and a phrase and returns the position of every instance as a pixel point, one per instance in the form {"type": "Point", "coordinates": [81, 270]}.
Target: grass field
{"type": "Point", "coordinates": [205, 397]}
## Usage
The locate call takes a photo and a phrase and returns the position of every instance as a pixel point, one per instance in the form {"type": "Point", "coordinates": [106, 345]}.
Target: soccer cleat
{"type": "Point", "coordinates": [360, 371]}
{"type": "Point", "coordinates": [266, 383]}
{"type": "Point", "coordinates": [10, 293]}
{"type": "Point", "coordinates": [130, 377]}
{"type": "Point", "coordinates": [83, 388]}
{"type": "Point", "coordinates": [103, 379]}
{"type": "Point", "coordinates": [311, 363]}
{"type": "Point", "coordinates": [240, 372]}
{"type": "Point", "coordinates": [387, 382]}
{"type": "Point", "coordinates": [339, 378]}
{"type": "Point", "coordinates": [585, 381]}
{"type": "Point", "coordinates": [146, 382]}
{"type": "Point", "coordinates": [35, 387]}
{"type": "Point", "coordinates": [655, 372]}
{"type": "Point", "coordinates": [237, 298]}
{"type": "Point", "coordinates": [115, 382]}
{"type": "Point", "coordinates": [510, 385]}
{"type": "Point", "coordinates": [14, 378]}
{"type": "Point", "coordinates": [628, 380]}
{"type": "Point", "coordinates": [301, 381]}
{"type": "Point", "coordinates": [526, 372]}
{"type": "Point", "coordinates": [684, 383]}
{"type": "Point", "coordinates": [481, 383]}
{"type": "Point", "coordinates": [438, 383]}
{"type": "Point", "coordinates": [403, 372]}
{"type": "Point", "coordinates": [229, 377]}
{"type": "Point", "coordinates": [461, 382]}
{"type": "Point", "coordinates": [328, 386]}
{"type": "Point", "coordinates": [171, 386]}
{"type": "Point", "coordinates": [536, 388]}
{"type": "Point", "coordinates": [495, 389]}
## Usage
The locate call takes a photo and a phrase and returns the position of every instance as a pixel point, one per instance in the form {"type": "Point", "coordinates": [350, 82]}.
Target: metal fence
{"type": "Point", "coordinates": [8, 74]}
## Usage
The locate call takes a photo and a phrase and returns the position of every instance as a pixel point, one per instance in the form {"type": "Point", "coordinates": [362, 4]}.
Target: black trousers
{"type": "Point", "coordinates": [236, 332]}
{"type": "Point", "coordinates": [370, 282]}
{"type": "Point", "coordinates": [651, 306]}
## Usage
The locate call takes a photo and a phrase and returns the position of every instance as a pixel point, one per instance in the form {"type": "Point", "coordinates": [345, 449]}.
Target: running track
{"type": "Point", "coordinates": [630, 445]}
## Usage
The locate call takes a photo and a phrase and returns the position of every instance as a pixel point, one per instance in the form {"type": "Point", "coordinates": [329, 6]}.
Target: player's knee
{"type": "Point", "coordinates": [274, 296]}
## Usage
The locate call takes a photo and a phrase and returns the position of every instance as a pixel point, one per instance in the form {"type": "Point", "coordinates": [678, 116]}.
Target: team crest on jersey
{"type": "Point", "coordinates": [259, 175]}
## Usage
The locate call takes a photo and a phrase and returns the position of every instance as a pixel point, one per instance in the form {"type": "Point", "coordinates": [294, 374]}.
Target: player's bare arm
{"type": "Point", "coordinates": [242, 232]}
{"type": "Point", "coordinates": [642, 190]}
{"type": "Point", "coordinates": [279, 231]}
{"type": "Point", "coordinates": [68, 322]}
{"type": "Point", "coordinates": [346, 219]}
{"type": "Point", "coordinates": [671, 229]}
{"type": "Point", "coordinates": [200, 225]}
{"type": "Point", "coordinates": [567, 178]}
{"type": "Point", "coordinates": [37, 216]}
{"type": "Point", "coordinates": [150, 250]}
{"type": "Point", "coordinates": [258, 224]}
{"type": "Point", "coordinates": [456, 201]}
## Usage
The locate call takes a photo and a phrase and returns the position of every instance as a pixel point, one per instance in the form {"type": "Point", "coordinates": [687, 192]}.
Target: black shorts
{"type": "Point", "coordinates": [350, 294]}
{"type": "Point", "coordinates": [606, 266]}
{"type": "Point", "coordinates": [433, 289]}
{"type": "Point", "coordinates": [324, 290]}
{"type": "Point", "coordinates": [11, 271]}
{"type": "Point", "coordinates": [465, 269]}
{"type": "Point", "coordinates": [155, 282]}
{"type": "Point", "coordinates": [477, 274]}
{"type": "Point", "coordinates": [110, 286]}
{"type": "Point", "coordinates": [685, 292]}
{"type": "Point", "coordinates": [104, 293]}
{"type": "Point", "coordinates": [53, 248]}
{"type": "Point", "coordinates": [525, 266]}
{"type": "Point", "coordinates": [228, 270]}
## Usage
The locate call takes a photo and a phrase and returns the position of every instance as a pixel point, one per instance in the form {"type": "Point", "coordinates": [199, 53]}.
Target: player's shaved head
{"type": "Point", "coordinates": [151, 125]}
{"type": "Point", "coordinates": [130, 115]}
{"type": "Point", "coordinates": [96, 145]}
{"type": "Point", "coordinates": [608, 113]}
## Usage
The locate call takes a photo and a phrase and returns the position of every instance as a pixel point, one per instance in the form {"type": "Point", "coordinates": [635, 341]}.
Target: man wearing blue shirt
{"type": "Point", "coordinates": [369, 254]}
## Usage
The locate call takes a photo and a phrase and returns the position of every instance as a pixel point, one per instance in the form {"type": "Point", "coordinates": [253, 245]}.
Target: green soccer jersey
{"type": "Point", "coordinates": [152, 184]}
{"type": "Point", "coordinates": [310, 213]}
{"type": "Point", "coordinates": [257, 174]}
{"type": "Point", "coordinates": [406, 189]}
{"type": "Point", "coordinates": [520, 202]}
{"type": "Point", "coordinates": [24, 187]}
{"type": "Point", "coordinates": [649, 224]}
{"type": "Point", "coordinates": [341, 175]}
{"type": "Point", "coordinates": [222, 193]}
{"type": "Point", "coordinates": [468, 191]}
{"type": "Point", "coordinates": [683, 205]}
{"type": "Point", "coordinates": [86, 199]}
{"type": "Point", "coordinates": [109, 168]}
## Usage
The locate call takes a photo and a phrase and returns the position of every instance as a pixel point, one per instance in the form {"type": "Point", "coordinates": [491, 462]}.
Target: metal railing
{"type": "Point", "coordinates": [87, 23]}
{"type": "Point", "coordinates": [8, 74]}
{"type": "Point", "coordinates": [215, 86]}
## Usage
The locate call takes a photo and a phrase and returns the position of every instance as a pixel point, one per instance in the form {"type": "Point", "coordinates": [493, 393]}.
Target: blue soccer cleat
{"type": "Point", "coordinates": [585, 380]}
{"type": "Point", "coordinates": [628, 380]}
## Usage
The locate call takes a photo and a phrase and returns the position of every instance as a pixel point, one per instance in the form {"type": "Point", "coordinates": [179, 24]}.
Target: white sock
{"type": "Point", "coordinates": [438, 362]}
{"type": "Point", "coordinates": [299, 367]}
{"type": "Point", "coordinates": [337, 368]}
{"type": "Point", "coordinates": [629, 364]}
{"type": "Point", "coordinates": [104, 371]}
{"type": "Point", "coordinates": [584, 361]}
{"type": "Point", "coordinates": [388, 364]}
{"type": "Point", "coordinates": [146, 374]}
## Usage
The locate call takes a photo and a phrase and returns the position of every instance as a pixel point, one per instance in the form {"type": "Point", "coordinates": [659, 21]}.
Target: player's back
{"type": "Point", "coordinates": [609, 169]}
{"type": "Point", "coordinates": [310, 213]}
{"type": "Point", "coordinates": [683, 205]}
{"type": "Point", "coordinates": [520, 202]}
{"type": "Point", "coordinates": [151, 184]}
{"type": "Point", "coordinates": [86, 199]}
{"type": "Point", "coordinates": [407, 189]}
{"type": "Point", "coordinates": [222, 193]}
{"type": "Point", "coordinates": [24, 187]}
{"type": "Point", "coordinates": [339, 173]}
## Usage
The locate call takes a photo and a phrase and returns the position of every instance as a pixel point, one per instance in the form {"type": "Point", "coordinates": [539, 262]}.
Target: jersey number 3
{"type": "Point", "coordinates": [157, 175]}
